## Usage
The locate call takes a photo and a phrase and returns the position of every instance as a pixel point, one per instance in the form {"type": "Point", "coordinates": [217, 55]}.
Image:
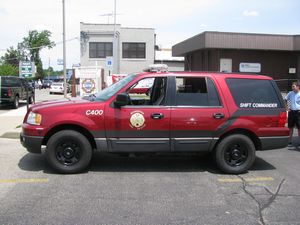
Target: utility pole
{"type": "Point", "coordinates": [115, 40]}
{"type": "Point", "coordinates": [64, 50]}
{"type": "Point", "coordinates": [49, 70]}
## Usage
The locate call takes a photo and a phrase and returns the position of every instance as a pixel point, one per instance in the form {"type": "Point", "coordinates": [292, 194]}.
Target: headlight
{"type": "Point", "coordinates": [34, 118]}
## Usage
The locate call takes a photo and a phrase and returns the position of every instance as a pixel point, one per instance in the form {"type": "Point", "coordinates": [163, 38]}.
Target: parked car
{"type": "Point", "coordinates": [58, 88]}
{"type": "Point", "coordinates": [13, 89]}
{"type": "Point", "coordinates": [228, 115]}
{"type": "Point", "coordinates": [46, 84]}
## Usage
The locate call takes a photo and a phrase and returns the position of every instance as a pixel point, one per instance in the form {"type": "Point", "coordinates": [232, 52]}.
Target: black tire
{"type": "Point", "coordinates": [16, 103]}
{"type": "Point", "coordinates": [68, 151]}
{"type": "Point", "coordinates": [235, 154]}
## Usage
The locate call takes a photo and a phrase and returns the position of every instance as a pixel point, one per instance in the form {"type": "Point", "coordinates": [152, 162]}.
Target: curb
{"type": "Point", "coordinates": [11, 135]}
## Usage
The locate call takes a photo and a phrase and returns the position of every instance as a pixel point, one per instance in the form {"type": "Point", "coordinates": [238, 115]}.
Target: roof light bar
{"type": "Point", "coordinates": [157, 68]}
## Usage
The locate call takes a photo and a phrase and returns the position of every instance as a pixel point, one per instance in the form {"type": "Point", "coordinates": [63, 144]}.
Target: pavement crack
{"type": "Point", "coordinates": [261, 206]}
{"type": "Point", "coordinates": [273, 196]}
{"type": "Point", "coordinates": [244, 187]}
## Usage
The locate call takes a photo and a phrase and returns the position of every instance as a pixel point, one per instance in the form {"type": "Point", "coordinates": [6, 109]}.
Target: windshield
{"type": "Point", "coordinates": [113, 89]}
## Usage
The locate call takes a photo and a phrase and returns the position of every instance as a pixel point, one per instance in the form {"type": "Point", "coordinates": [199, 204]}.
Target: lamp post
{"type": "Point", "coordinates": [64, 51]}
{"type": "Point", "coordinates": [114, 40]}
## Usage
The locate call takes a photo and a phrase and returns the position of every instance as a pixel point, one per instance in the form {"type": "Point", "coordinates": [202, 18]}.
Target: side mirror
{"type": "Point", "coordinates": [122, 100]}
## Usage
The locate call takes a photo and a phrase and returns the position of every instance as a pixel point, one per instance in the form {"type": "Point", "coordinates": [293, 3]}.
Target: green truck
{"type": "Point", "coordinates": [13, 89]}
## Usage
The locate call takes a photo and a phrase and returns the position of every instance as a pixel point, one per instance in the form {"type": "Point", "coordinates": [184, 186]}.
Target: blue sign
{"type": "Point", "coordinates": [109, 62]}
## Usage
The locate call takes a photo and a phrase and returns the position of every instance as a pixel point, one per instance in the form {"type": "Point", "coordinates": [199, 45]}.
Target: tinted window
{"type": "Point", "coordinates": [10, 82]}
{"type": "Point", "coordinates": [252, 93]}
{"type": "Point", "coordinates": [191, 91]}
{"type": "Point", "coordinates": [100, 49]}
{"type": "Point", "coordinates": [134, 50]}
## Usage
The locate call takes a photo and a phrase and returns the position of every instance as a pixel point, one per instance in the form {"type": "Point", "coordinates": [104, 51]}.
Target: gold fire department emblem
{"type": "Point", "coordinates": [137, 120]}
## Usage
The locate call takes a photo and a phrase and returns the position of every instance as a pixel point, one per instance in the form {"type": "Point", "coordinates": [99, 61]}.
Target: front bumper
{"type": "Point", "coordinates": [33, 144]}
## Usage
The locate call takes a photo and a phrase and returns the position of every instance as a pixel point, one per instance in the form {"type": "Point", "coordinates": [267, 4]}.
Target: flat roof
{"type": "Point", "coordinates": [112, 25]}
{"type": "Point", "coordinates": [230, 40]}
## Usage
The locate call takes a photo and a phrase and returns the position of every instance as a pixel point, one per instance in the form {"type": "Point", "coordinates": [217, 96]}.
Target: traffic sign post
{"type": "Point", "coordinates": [26, 69]}
{"type": "Point", "coordinates": [110, 63]}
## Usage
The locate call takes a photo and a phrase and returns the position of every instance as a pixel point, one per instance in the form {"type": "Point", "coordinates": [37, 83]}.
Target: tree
{"type": "Point", "coordinates": [8, 70]}
{"type": "Point", "coordinates": [32, 45]}
{"type": "Point", "coordinates": [12, 57]}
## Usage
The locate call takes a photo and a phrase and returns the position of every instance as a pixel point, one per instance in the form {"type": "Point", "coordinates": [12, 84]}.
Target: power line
{"type": "Point", "coordinates": [56, 43]}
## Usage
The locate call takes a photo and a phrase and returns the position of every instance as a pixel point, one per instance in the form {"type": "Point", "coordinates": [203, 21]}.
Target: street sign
{"type": "Point", "coordinates": [60, 62]}
{"type": "Point", "coordinates": [26, 69]}
{"type": "Point", "coordinates": [109, 62]}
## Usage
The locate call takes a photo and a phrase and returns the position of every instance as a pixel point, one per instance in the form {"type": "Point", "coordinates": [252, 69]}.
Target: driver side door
{"type": "Point", "coordinates": [143, 125]}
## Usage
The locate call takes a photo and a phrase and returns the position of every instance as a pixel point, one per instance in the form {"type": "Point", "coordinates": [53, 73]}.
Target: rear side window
{"type": "Point", "coordinates": [253, 93]}
{"type": "Point", "coordinates": [196, 91]}
{"type": "Point", "coordinates": [10, 82]}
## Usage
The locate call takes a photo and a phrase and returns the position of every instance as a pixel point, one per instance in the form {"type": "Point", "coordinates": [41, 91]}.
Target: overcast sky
{"type": "Point", "coordinates": [173, 20]}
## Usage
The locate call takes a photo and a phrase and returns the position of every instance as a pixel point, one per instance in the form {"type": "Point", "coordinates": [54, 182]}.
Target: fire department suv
{"type": "Point", "coordinates": [229, 115]}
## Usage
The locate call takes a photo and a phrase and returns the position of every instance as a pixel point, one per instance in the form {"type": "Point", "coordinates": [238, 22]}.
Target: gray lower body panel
{"type": "Point", "coordinates": [155, 144]}
{"type": "Point", "coordinates": [139, 144]}
{"type": "Point", "coordinates": [268, 143]}
{"type": "Point", "coordinates": [191, 144]}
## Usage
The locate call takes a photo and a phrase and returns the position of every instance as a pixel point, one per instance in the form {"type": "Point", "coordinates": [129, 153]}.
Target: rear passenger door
{"type": "Point", "coordinates": [197, 113]}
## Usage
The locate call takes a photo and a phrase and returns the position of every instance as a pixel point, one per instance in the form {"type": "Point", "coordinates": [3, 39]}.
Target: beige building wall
{"type": "Point", "coordinates": [104, 33]}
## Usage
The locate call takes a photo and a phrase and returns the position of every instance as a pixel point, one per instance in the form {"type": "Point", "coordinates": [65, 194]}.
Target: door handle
{"type": "Point", "coordinates": [218, 115]}
{"type": "Point", "coordinates": [157, 116]}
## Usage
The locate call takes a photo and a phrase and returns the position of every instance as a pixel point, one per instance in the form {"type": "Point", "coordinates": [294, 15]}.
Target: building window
{"type": "Point", "coordinates": [134, 50]}
{"type": "Point", "coordinates": [100, 49]}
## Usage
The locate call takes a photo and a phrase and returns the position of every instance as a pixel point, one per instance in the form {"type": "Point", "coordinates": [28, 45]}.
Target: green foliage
{"type": "Point", "coordinates": [39, 70]}
{"type": "Point", "coordinates": [53, 73]}
{"type": "Point", "coordinates": [12, 57]}
{"type": "Point", "coordinates": [32, 45]}
{"type": "Point", "coordinates": [28, 49]}
{"type": "Point", "coordinates": [8, 70]}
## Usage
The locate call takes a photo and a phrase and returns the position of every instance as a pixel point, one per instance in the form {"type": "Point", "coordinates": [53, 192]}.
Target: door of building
{"type": "Point", "coordinates": [226, 65]}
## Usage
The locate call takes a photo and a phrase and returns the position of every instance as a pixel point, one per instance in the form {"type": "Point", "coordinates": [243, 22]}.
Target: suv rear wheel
{"type": "Point", "coordinates": [16, 102]}
{"type": "Point", "coordinates": [235, 154]}
{"type": "Point", "coordinates": [68, 151]}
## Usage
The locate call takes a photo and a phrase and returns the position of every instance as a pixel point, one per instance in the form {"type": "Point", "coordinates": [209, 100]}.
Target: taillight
{"type": "Point", "coordinates": [282, 119]}
{"type": "Point", "coordinates": [9, 92]}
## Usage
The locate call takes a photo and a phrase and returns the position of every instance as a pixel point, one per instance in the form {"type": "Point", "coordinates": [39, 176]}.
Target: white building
{"type": "Point", "coordinates": [134, 48]}
{"type": "Point", "coordinates": [164, 56]}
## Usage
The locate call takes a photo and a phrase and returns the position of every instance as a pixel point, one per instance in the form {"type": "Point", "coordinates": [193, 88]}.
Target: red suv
{"type": "Point", "coordinates": [229, 115]}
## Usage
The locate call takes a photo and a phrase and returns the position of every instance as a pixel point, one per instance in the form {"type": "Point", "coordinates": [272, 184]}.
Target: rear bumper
{"type": "Point", "coordinates": [268, 143]}
{"type": "Point", "coordinates": [6, 100]}
{"type": "Point", "coordinates": [33, 144]}
{"type": "Point", "coordinates": [56, 91]}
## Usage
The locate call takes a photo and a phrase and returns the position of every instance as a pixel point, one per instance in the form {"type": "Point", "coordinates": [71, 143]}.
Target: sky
{"type": "Point", "coordinates": [173, 20]}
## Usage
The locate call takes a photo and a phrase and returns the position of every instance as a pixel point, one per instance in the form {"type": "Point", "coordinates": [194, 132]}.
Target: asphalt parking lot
{"type": "Point", "coordinates": [148, 190]}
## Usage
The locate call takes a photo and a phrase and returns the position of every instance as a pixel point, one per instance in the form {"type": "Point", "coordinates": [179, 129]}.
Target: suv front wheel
{"type": "Point", "coordinates": [235, 154]}
{"type": "Point", "coordinates": [68, 151]}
